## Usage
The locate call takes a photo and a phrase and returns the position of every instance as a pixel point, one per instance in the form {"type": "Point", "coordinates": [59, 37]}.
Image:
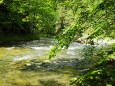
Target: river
{"type": "Point", "coordinates": [25, 64]}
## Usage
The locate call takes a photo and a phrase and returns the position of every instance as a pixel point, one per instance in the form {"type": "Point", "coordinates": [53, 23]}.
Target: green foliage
{"type": "Point", "coordinates": [27, 17]}
{"type": "Point", "coordinates": [102, 74]}
{"type": "Point", "coordinates": [100, 77]}
{"type": "Point", "coordinates": [1, 1]}
{"type": "Point", "coordinates": [62, 42]}
{"type": "Point", "coordinates": [97, 16]}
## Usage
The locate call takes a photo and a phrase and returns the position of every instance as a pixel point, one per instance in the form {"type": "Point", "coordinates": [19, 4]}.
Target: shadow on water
{"type": "Point", "coordinates": [43, 41]}
{"type": "Point", "coordinates": [12, 44]}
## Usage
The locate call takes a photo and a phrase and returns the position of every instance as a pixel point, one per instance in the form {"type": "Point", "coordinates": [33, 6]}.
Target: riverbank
{"type": "Point", "coordinates": [17, 38]}
{"type": "Point", "coordinates": [10, 40]}
{"type": "Point", "coordinates": [96, 41]}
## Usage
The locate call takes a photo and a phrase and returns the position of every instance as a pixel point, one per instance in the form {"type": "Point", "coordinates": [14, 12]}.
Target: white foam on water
{"type": "Point", "coordinates": [22, 58]}
{"type": "Point", "coordinates": [41, 48]}
{"type": "Point", "coordinates": [105, 42]}
{"type": "Point", "coordinates": [71, 52]}
{"type": "Point", "coordinates": [10, 48]}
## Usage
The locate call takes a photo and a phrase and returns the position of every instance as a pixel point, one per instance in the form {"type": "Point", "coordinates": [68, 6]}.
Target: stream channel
{"type": "Point", "coordinates": [25, 64]}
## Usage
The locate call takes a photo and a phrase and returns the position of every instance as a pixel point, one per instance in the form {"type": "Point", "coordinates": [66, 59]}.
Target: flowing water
{"type": "Point", "coordinates": [36, 69]}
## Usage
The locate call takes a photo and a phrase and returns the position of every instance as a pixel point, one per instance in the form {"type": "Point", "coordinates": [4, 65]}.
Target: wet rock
{"type": "Point", "coordinates": [34, 60]}
{"type": "Point", "coordinates": [30, 67]}
{"type": "Point", "coordinates": [50, 83]}
{"type": "Point", "coordinates": [45, 64]}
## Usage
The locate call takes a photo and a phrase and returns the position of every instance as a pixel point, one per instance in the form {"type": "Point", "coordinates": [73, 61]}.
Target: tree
{"type": "Point", "coordinates": [25, 17]}
{"type": "Point", "coordinates": [96, 16]}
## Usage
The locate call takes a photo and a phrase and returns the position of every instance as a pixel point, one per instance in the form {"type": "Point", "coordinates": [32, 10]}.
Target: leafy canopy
{"type": "Point", "coordinates": [29, 14]}
{"type": "Point", "coordinates": [96, 16]}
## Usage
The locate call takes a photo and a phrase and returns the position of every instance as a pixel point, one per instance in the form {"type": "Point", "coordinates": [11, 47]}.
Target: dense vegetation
{"type": "Point", "coordinates": [50, 17]}
{"type": "Point", "coordinates": [102, 73]}
{"type": "Point", "coordinates": [68, 21]}
{"type": "Point", "coordinates": [94, 18]}
{"type": "Point", "coordinates": [20, 17]}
